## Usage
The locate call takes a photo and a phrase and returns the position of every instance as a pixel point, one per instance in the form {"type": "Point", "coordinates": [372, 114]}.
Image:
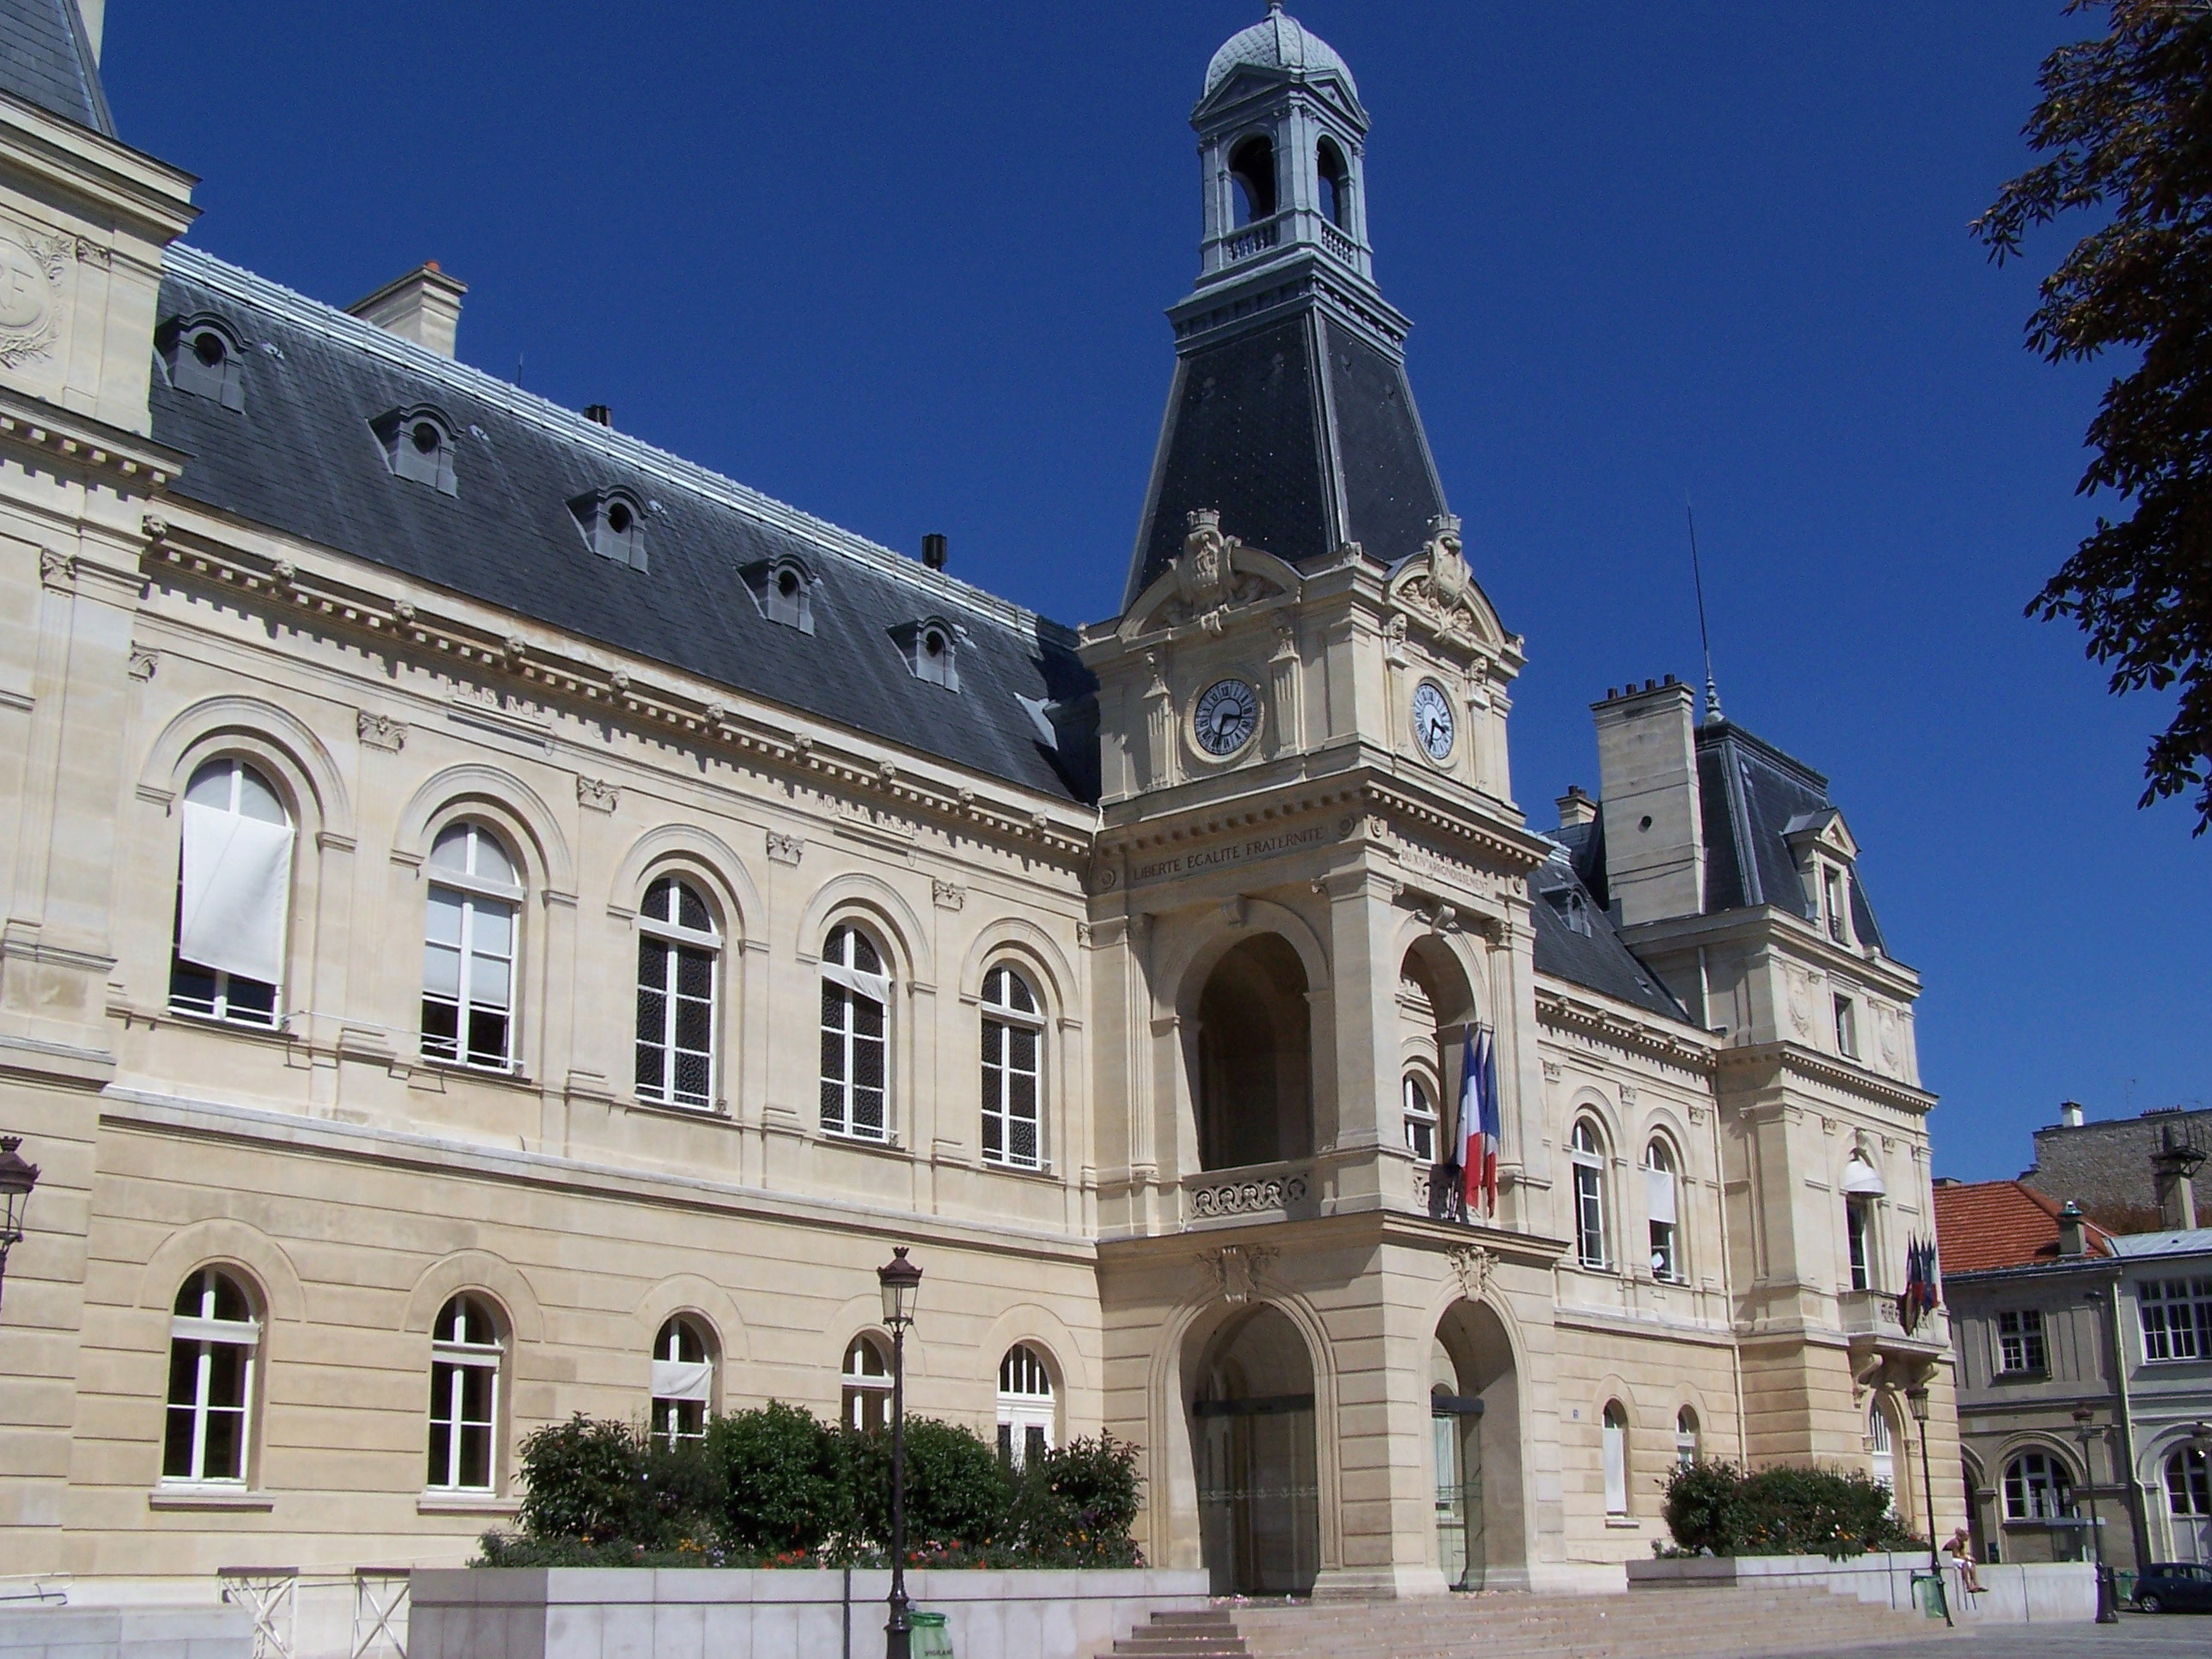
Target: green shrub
{"type": "Point", "coordinates": [1075, 1503]}
{"type": "Point", "coordinates": [786, 1479]}
{"type": "Point", "coordinates": [957, 1490]}
{"type": "Point", "coordinates": [1718, 1509]}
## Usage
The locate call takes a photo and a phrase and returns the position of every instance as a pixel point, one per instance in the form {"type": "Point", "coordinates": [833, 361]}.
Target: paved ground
{"type": "Point", "coordinates": [2135, 1636]}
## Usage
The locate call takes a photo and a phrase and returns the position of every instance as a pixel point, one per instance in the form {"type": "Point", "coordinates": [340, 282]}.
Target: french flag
{"type": "Point", "coordinates": [1479, 1138]}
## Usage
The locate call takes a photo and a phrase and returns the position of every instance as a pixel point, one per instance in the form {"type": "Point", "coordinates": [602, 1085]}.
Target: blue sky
{"type": "Point", "coordinates": [904, 265]}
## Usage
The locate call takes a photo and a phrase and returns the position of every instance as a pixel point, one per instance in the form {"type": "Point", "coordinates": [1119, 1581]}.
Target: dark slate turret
{"type": "Point", "coordinates": [1290, 411]}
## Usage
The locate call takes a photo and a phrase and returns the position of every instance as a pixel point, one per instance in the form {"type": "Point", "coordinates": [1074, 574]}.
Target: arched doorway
{"type": "Point", "coordinates": [1253, 1454]}
{"type": "Point", "coordinates": [1254, 1090]}
{"type": "Point", "coordinates": [1474, 1416]}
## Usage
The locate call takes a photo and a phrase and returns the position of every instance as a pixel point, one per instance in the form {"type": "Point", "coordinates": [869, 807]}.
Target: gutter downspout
{"type": "Point", "coordinates": [2137, 1523]}
{"type": "Point", "coordinates": [1736, 1344]}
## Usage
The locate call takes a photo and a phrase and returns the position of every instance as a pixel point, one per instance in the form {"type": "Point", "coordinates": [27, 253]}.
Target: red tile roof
{"type": "Point", "coordinates": [2001, 1224]}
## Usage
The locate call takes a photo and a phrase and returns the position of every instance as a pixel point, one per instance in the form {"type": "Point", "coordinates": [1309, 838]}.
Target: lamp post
{"type": "Point", "coordinates": [2108, 1611]}
{"type": "Point", "coordinates": [17, 1178]}
{"type": "Point", "coordinates": [900, 1281]}
{"type": "Point", "coordinates": [1916, 1397]}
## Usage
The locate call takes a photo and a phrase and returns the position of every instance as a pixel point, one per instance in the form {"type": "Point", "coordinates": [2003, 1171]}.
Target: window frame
{"type": "Point", "coordinates": [1587, 1164]}
{"type": "Point", "coordinates": [456, 1359]}
{"type": "Point", "coordinates": [1666, 1236]}
{"type": "Point", "coordinates": [2036, 1496]}
{"type": "Point", "coordinates": [2181, 1332]}
{"type": "Point", "coordinates": [1836, 902]}
{"type": "Point", "coordinates": [478, 894]}
{"type": "Point", "coordinates": [1419, 1114]}
{"type": "Point", "coordinates": [1614, 1458]}
{"type": "Point", "coordinates": [2188, 1483]}
{"type": "Point", "coordinates": [864, 1393]}
{"type": "Point", "coordinates": [203, 1333]}
{"type": "Point", "coordinates": [841, 974]}
{"type": "Point", "coordinates": [2024, 1340]}
{"type": "Point", "coordinates": [1685, 1437]}
{"type": "Point", "coordinates": [1859, 1249]}
{"type": "Point", "coordinates": [1004, 1015]}
{"type": "Point", "coordinates": [1034, 1414]}
{"type": "Point", "coordinates": [1846, 1014]}
{"type": "Point", "coordinates": [218, 1006]}
{"type": "Point", "coordinates": [685, 1419]}
{"type": "Point", "coordinates": [674, 939]}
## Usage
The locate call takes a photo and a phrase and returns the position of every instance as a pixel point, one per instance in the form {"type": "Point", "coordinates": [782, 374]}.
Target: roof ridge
{"type": "Point", "coordinates": [305, 311]}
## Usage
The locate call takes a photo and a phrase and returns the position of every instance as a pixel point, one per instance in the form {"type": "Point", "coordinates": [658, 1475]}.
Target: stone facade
{"type": "Point", "coordinates": [2105, 1166]}
{"type": "Point", "coordinates": [1228, 1250]}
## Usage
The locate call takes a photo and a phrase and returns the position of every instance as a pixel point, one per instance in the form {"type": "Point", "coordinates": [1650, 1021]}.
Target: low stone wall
{"type": "Point", "coordinates": [59, 1633]}
{"type": "Point", "coordinates": [707, 1613]}
{"type": "Point", "coordinates": [2027, 1593]}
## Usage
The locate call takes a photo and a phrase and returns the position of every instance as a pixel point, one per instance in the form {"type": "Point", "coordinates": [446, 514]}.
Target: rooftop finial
{"type": "Point", "coordinates": [1704, 638]}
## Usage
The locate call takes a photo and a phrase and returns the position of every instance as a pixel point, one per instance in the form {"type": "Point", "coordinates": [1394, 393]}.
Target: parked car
{"type": "Point", "coordinates": [2174, 1587]}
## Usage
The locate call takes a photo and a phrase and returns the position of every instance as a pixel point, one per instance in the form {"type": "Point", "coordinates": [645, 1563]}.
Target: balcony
{"type": "Point", "coordinates": [1877, 1335]}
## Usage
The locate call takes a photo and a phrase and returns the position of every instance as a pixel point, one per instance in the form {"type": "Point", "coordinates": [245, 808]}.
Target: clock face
{"type": "Point", "coordinates": [1433, 728]}
{"type": "Point", "coordinates": [1227, 714]}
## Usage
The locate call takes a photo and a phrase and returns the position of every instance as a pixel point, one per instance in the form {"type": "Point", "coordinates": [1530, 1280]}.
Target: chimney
{"type": "Point", "coordinates": [1654, 850]}
{"type": "Point", "coordinates": [2069, 1114]}
{"type": "Point", "coordinates": [599, 415]}
{"type": "Point", "coordinates": [933, 551]}
{"type": "Point", "coordinates": [2173, 1168]}
{"type": "Point", "coordinates": [2072, 1240]}
{"type": "Point", "coordinates": [424, 306]}
{"type": "Point", "coordinates": [1576, 808]}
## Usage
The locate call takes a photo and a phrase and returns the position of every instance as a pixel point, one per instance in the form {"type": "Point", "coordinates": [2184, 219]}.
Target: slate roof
{"type": "Point", "coordinates": [45, 59]}
{"type": "Point", "coordinates": [1753, 796]}
{"type": "Point", "coordinates": [1983, 1225]}
{"type": "Point", "coordinates": [301, 457]}
{"type": "Point", "coordinates": [2196, 1241]}
{"type": "Point", "coordinates": [1597, 960]}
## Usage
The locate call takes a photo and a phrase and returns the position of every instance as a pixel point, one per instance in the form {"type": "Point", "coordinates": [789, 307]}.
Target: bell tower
{"type": "Point", "coordinates": [1290, 414]}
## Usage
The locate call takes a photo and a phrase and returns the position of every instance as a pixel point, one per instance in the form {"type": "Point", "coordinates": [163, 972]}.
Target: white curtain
{"type": "Point", "coordinates": [1616, 1440]}
{"type": "Point", "coordinates": [237, 881]}
{"type": "Point", "coordinates": [682, 1379]}
{"type": "Point", "coordinates": [875, 987]}
{"type": "Point", "coordinates": [1660, 1184]}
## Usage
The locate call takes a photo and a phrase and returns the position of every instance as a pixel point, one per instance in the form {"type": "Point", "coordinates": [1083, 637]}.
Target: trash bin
{"type": "Point", "coordinates": [929, 1640]}
{"type": "Point", "coordinates": [2124, 1585]}
{"type": "Point", "coordinates": [1928, 1595]}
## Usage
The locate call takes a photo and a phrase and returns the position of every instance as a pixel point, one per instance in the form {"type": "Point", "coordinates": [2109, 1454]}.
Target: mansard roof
{"type": "Point", "coordinates": [1755, 799]}
{"type": "Point", "coordinates": [45, 59]}
{"type": "Point", "coordinates": [302, 457]}
{"type": "Point", "coordinates": [1596, 960]}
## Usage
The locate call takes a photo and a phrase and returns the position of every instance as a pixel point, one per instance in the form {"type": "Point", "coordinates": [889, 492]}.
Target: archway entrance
{"type": "Point", "coordinates": [1252, 1451]}
{"type": "Point", "coordinates": [1475, 1420]}
{"type": "Point", "coordinates": [1255, 1080]}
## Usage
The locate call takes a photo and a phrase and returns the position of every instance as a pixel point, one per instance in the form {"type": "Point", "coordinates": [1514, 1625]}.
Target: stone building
{"type": "Point", "coordinates": [503, 921]}
{"type": "Point", "coordinates": [2106, 1166]}
{"type": "Point", "coordinates": [2084, 1377]}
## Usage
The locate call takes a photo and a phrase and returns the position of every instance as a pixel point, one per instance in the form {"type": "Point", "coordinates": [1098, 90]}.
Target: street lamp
{"type": "Point", "coordinates": [2108, 1612]}
{"type": "Point", "coordinates": [1916, 1397]}
{"type": "Point", "coordinates": [17, 1178]}
{"type": "Point", "coordinates": [900, 1281]}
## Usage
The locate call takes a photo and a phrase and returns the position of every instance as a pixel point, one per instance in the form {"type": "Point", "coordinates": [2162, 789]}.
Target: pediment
{"type": "Point", "coordinates": [1435, 587]}
{"type": "Point", "coordinates": [1213, 575]}
{"type": "Point", "coordinates": [1825, 830]}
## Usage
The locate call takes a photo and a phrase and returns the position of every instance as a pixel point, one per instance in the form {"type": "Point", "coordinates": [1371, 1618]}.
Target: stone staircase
{"type": "Point", "coordinates": [1674, 1624]}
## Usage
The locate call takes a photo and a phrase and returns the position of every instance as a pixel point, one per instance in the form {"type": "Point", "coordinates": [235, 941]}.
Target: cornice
{"type": "Point", "coordinates": [149, 194]}
{"type": "Point", "coordinates": [648, 706]}
{"type": "Point", "coordinates": [1795, 1059]}
{"type": "Point", "coordinates": [1775, 928]}
{"type": "Point", "coordinates": [91, 445]}
{"type": "Point", "coordinates": [1572, 1008]}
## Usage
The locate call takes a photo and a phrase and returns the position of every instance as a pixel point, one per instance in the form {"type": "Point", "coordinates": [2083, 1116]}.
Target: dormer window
{"type": "Point", "coordinates": [205, 359]}
{"type": "Point", "coordinates": [931, 647]}
{"type": "Point", "coordinates": [1573, 909]}
{"type": "Point", "coordinates": [613, 525]}
{"type": "Point", "coordinates": [783, 588]}
{"type": "Point", "coordinates": [419, 444]}
{"type": "Point", "coordinates": [1836, 902]}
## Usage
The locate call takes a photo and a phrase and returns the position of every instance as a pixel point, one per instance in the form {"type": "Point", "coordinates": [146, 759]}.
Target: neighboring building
{"type": "Point", "coordinates": [506, 922]}
{"type": "Point", "coordinates": [2106, 1167]}
{"type": "Point", "coordinates": [2052, 1315]}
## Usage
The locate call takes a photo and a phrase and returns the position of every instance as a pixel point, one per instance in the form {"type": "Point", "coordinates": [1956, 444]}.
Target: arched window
{"type": "Point", "coordinates": [1883, 1449]}
{"type": "Point", "coordinates": [1336, 184]}
{"type": "Point", "coordinates": [466, 1353]}
{"type": "Point", "coordinates": [1685, 1437]}
{"type": "Point", "coordinates": [1613, 1436]}
{"type": "Point", "coordinates": [1661, 1189]}
{"type": "Point", "coordinates": [468, 952]}
{"type": "Point", "coordinates": [1862, 1188]}
{"type": "Point", "coordinates": [1252, 176]}
{"type": "Point", "coordinates": [855, 1001]}
{"type": "Point", "coordinates": [213, 1338]}
{"type": "Point", "coordinates": [1026, 1406]}
{"type": "Point", "coordinates": [1420, 1121]}
{"type": "Point", "coordinates": [1586, 1154]}
{"type": "Point", "coordinates": [2189, 1484]}
{"type": "Point", "coordinates": [234, 886]}
{"type": "Point", "coordinates": [867, 1385]}
{"type": "Point", "coordinates": [1013, 1045]}
{"type": "Point", "coordinates": [678, 954]}
{"type": "Point", "coordinates": [2037, 1487]}
{"type": "Point", "coordinates": [683, 1382]}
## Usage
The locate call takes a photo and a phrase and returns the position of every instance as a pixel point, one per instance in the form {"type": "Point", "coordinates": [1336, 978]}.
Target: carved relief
{"type": "Point", "coordinates": [1210, 577]}
{"type": "Point", "coordinates": [31, 268]}
{"type": "Point", "coordinates": [785, 849]}
{"type": "Point", "coordinates": [143, 662]}
{"type": "Point", "coordinates": [598, 794]}
{"type": "Point", "coordinates": [1438, 586]}
{"type": "Point", "coordinates": [1235, 1270]}
{"type": "Point", "coordinates": [381, 731]}
{"type": "Point", "coordinates": [57, 570]}
{"type": "Point", "coordinates": [1249, 1197]}
{"type": "Point", "coordinates": [1477, 1267]}
{"type": "Point", "coordinates": [949, 895]}
{"type": "Point", "coordinates": [1801, 1003]}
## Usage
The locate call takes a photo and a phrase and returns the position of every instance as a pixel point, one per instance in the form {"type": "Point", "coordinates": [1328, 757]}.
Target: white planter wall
{"type": "Point", "coordinates": [2027, 1593]}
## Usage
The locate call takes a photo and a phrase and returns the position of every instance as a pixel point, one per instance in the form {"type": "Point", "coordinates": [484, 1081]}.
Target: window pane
{"type": "Point", "coordinates": [868, 1062]}
{"type": "Point", "coordinates": [692, 1080]}
{"type": "Point", "coordinates": [868, 1112]}
{"type": "Point", "coordinates": [1024, 1041]}
{"type": "Point", "coordinates": [488, 981]}
{"type": "Point", "coordinates": [833, 1057]}
{"type": "Point", "coordinates": [652, 1015]}
{"type": "Point", "coordinates": [694, 1024]}
{"type": "Point", "coordinates": [658, 899]}
{"type": "Point", "coordinates": [1023, 1135]}
{"type": "Point", "coordinates": [695, 972]}
{"type": "Point", "coordinates": [863, 955]}
{"type": "Point", "coordinates": [226, 1445]}
{"type": "Point", "coordinates": [493, 929]}
{"type": "Point", "coordinates": [867, 1017]}
{"type": "Point", "coordinates": [994, 1041]}
{"type": "Point", "coordinates": [692, 909]}
{"type": "Point", "coordinates": [994, 1145]}
{"type": "Point", "coordinates": [439, 1027]}
{"type": "Point", "coordinates": [833, 1006]}
{"type": "Point", "coordinates": [211, 785]}
{"type": "Point", "coordinates": [487, 1037]}
{"type": "Point", "coordinates": [1022, 1097]}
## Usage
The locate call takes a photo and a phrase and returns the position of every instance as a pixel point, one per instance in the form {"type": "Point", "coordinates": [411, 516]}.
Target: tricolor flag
{"type": "Point", "coordinates": [1479, 1137]}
